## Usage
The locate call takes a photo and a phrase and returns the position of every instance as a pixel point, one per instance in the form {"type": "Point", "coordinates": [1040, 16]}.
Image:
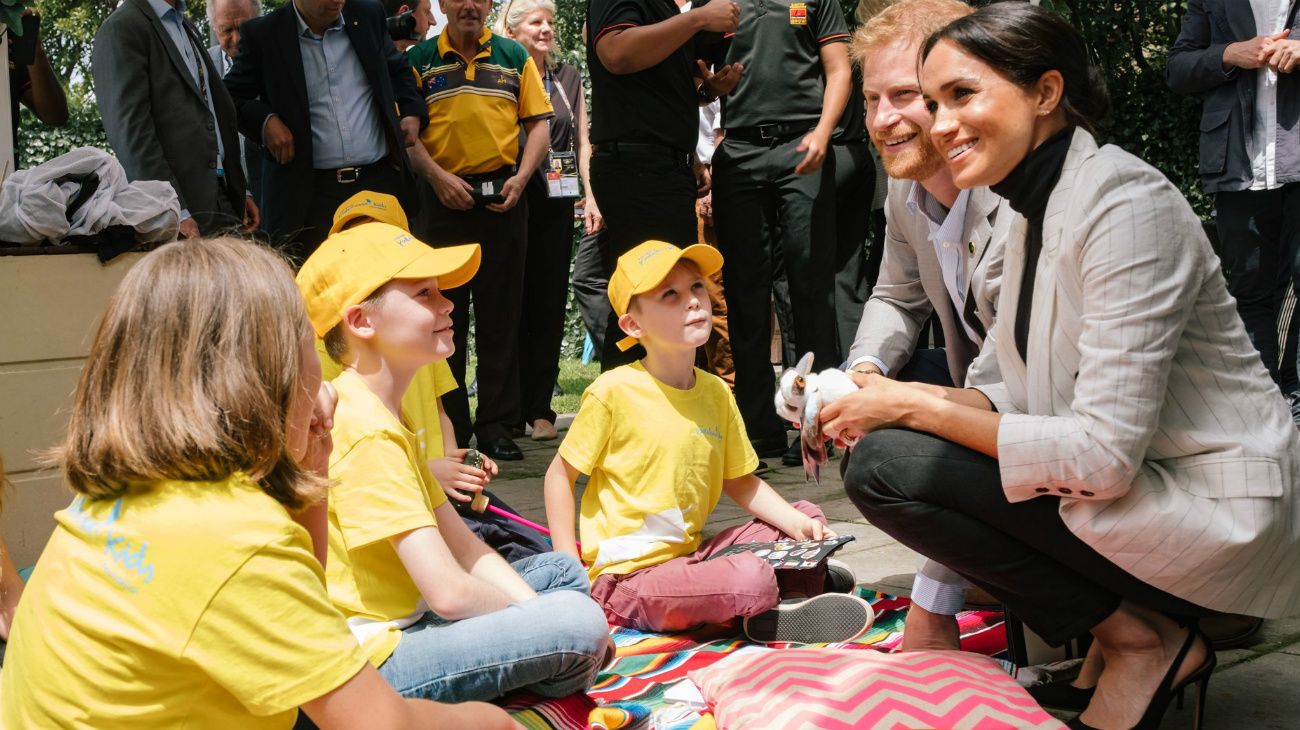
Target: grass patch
{"type": "Point", "coordinates": [574, 378]}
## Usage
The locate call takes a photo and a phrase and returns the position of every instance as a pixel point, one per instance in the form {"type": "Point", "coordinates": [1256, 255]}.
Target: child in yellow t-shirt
{"type": "Point", "coordinates": [440, 613]}
{"type": "Point", "coordinates": [661, 441]}
{"type": "Point", "coordinates": [423, 409]}
{"type": "Point", "coordinates": [177, 589]}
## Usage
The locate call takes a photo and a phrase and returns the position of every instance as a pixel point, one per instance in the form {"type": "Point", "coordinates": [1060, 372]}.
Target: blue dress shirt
{"type": "Point", "coordinates": [345, 126]}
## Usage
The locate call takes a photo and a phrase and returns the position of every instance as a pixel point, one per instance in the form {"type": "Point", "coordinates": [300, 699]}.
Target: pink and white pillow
{"type": "Point", "coordinates": [828, 689]}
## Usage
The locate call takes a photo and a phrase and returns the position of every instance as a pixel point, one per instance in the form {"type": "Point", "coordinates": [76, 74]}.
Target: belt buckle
{"type": "Point", "coordinates": [347, 175]}
{"type": "Point", "coordinates": [767, 132]}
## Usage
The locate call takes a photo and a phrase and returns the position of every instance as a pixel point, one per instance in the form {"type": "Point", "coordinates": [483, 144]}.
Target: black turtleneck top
{"type": "Point", "coordinates": [1027, 189]}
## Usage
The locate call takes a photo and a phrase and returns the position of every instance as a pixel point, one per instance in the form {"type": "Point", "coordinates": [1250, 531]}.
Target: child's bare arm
{"type": "Point", "coordinates": [561, 518]}
{"type": "Point", "coordinates": [368, 701]}
{"type": "Point", "coordinates": [760, 500]}
{"type": "Point", "coordinates": [446, 586]}
{"type": "Point", "coordinates": [11, 589]}
{"type": "Point", "coordinates": [479, 560]}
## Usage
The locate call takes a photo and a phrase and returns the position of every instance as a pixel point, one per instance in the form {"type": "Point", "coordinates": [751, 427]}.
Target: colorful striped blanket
{"type": "Point", "coordinates": [629, 695]}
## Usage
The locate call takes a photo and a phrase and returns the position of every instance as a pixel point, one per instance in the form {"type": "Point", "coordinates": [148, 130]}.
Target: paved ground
{"type": "Point", "coordinates": [1256, 688]}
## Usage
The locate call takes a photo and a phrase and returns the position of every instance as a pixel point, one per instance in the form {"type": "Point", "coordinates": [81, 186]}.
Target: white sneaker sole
{"type": "Point", "coordinates": [825, 619]}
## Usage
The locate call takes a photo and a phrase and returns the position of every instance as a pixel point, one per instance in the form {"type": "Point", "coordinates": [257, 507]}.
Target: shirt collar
{"type": "Point", "coordinates": [940, 221]}
{"type": "Point", "coordinates": [162, 8]}
{"type": "Point", "coordinates": [484, 44]}
{"type": "Point", "coordinates": [303, 29]}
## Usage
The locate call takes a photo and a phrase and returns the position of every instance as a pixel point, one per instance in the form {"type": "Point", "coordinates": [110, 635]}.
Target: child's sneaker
{"type": "Point", "coordinates": [839, 577]}
{"type": "Point", "coordinates": [824, 619]}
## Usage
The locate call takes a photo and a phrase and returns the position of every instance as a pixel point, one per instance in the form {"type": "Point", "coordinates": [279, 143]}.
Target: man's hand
{"type": "Point", "coordinates": [814, 146]}
{"type": "Point", "coordinates": [703, 178]}
{"type": "Point", "coordinates": [1250, 54]}
{"type": "Point", "coordinates": [278, 140]}
{"type": "Point", "coordinates": [252, 216]}
{"type": "Point", "coordinates": [719, 16]}
{"type": "Point", "coordinates": [189, 228]}
{"type": "Point", "coordinates": [1283, 55]}
{"type": "Point", "coordinates": [704, 208]}
{"type": "Point", "coordinates": [593, 221]}
{"type": "Point", "coordinates": [719, 83]}
{"type": "Point", "coordinates": [456, 477]}
{"type": "Point", "coordinates": [511, 190]}
{"type": "Point", "coordinates": [452, 192]}
{"type": "Point", "coordinates": [410, 130]}
{"type": "Point", "coordinates": [319, 441]}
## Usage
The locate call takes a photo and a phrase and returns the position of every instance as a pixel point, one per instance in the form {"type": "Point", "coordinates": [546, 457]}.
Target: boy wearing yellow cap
{"type": "Point", "coordinates": [661, 441]}
{"type": "Point", "coordinates": [423, 409]}
{"type": "Point", "coordinates": [440, 613]}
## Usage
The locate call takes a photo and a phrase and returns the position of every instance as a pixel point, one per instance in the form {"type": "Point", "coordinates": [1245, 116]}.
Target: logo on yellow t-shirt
{"type": "Point", "coordinates": [711, 431]}
{"type": "Point", "coordinates": [126, 561]}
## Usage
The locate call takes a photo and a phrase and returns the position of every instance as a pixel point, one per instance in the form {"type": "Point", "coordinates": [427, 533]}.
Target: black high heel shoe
{"type": "Point", "coordinates": [1168, 690]}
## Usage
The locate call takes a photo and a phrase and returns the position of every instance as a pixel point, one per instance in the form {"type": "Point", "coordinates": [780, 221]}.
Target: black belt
{"type": "Point", "coordinates": [770, 132]}
{"type": "Point", "coordinates": [642, 149]}
{"type": "Point", "coordinates": [350, 175]}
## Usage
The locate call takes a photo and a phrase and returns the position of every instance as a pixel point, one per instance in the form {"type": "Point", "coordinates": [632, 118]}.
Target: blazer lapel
{"type": "Point", "coordinates": [364, 47]}
{"type": "Point", "coordinates": [1043, 319]}
{"type": "Point", "coordinates": [287, 36]}
{"type": "Point", "coordinates": [1241, 19]}
{"type": "Point", "coordinates": [976, 229]}
{"type": "Point", "coordinates": [173, 53]}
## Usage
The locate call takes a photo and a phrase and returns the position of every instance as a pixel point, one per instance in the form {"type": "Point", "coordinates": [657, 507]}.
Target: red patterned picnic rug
{"type": "Point", "coordinates": [629, 695]}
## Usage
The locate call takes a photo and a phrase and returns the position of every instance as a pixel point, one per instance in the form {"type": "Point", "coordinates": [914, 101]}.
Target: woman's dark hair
{"type": "Point", "coordinates": [1022, 42]}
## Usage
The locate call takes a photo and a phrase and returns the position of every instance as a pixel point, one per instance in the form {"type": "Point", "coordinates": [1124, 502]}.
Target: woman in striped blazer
{"type": "Point", "coordinates": [1132, 466]}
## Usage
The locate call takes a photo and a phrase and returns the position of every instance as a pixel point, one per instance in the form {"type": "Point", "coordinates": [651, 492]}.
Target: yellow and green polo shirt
{"type": "Point", "coordinates": [476, 105]}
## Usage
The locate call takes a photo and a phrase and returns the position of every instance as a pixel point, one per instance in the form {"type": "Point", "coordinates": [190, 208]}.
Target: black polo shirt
{"type": "Point", "coordinates": [779, 43]}
{"type": "Point", "coordinates": [655, 105]}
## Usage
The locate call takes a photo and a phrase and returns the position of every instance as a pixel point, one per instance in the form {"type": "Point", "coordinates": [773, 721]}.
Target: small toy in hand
{"type": "Point", "coordinates": [480, 502]}
{"type": "Point", "coordinates": [800, 397]}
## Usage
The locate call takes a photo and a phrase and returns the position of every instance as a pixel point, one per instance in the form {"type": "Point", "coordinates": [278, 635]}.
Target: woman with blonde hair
{"type": "Point", "coordinates": [177, 588]}
{"type": "Point", "coordinates": [11, 585]}
{"type": "Point", "coordinates": [552, 193]}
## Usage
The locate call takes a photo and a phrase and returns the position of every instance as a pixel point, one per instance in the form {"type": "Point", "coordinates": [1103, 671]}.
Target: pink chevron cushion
{"type": "Point", "coordinates": [828, 689]}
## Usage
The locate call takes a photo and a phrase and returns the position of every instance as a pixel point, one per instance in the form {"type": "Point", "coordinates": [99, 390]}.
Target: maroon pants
{"type": "Point", "coordinates": [693, 590]}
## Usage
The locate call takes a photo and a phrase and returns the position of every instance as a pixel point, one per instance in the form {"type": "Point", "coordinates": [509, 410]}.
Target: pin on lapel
{"type": "Point", "coordinates": [971, 246]}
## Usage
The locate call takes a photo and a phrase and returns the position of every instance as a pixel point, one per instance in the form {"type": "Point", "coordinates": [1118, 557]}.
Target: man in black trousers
{"type": "Point", "coordinates": [319, 87]}
{"type": "Point", "coordinates": [646, 89]}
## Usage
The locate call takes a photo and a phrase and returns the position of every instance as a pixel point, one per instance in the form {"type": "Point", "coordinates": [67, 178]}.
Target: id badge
{"type": "Point", "coordinates": [562, 175]}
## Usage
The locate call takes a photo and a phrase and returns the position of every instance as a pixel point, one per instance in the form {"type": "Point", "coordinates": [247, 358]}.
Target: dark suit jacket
{"type": "Point", "coordinates": [252, 148]}
{"type": "Point", "coordinates": [268, 78]}
{"type": "Point", "coordinates": [157, 121]}
{"type": "Point", "coordinates": [1196, 67]}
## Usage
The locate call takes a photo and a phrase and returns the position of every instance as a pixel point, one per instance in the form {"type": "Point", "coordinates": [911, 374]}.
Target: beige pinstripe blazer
{"type": "Point", "coordinates": [1143, 403]}
{"type": "Point", "coordinates": [911, 284]}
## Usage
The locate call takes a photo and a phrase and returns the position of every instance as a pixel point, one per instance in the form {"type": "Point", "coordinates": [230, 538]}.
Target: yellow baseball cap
{"type": "Point", "coordinates": [350, 265]}
{"type": "Point", "coordinates": [381, 207]}
{"type": "Point", "coordinates": [643, 268]}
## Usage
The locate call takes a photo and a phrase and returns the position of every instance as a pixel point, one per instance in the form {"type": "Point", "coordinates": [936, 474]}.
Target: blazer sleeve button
{"type": "Point", "coordinates": [1065, 490]}
{"type": "Point", "coordinates": [1042, 490]}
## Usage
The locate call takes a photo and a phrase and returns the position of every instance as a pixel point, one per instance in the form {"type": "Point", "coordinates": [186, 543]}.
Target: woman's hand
{"type": "Point", "coordinates": [319, 441]}
{"type": "Point", "coordinates": [459, 480]}
{"type": "Point", "coordinates": [879, 403]}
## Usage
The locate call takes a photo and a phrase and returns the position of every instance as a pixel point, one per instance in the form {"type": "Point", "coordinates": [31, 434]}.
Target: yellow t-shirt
{"type": "Point", "coordinates": [382, 488]}
{"type": "Point", "coordinates": [184, 604]}
{"type": "Point", "coordinates": [656, 457]}
{"type": "Point", "coordinates": [419, 405]}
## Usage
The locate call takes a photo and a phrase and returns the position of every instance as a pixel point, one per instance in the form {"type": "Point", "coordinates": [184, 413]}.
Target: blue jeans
{"type": "Point", "coordinates": [552, 645]}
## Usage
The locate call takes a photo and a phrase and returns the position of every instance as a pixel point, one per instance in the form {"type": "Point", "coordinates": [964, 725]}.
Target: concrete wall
{"type": "Point", "coordinates": [51, 305]}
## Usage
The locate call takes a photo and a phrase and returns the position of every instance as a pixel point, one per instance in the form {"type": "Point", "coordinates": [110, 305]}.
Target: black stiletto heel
{"type": "Point", "coordinates": [1167, 690]}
